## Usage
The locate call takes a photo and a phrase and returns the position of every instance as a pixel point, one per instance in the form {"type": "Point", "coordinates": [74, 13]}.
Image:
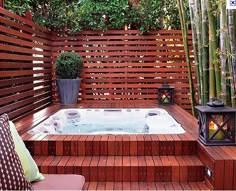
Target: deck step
{"type": "Point", "coordinates": [145, 186]}
{"type": "Point", "coordinates": [110, 145]}
{"type": "Point", "coordinates": [125, 168]}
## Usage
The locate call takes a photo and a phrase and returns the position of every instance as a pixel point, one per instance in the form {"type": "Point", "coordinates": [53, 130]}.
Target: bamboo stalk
{"type": "Point", "coordinates": [205, 49]}
{"type": "Point", "coordinates": [224, 43]}
{"type": "Point", "coordinates": [186, 50]}
{"type": "Point", "coordinates": [195, 47]}
{"type": "Point", "coordinates": [214, 71]}
{"type": "Point", "coordinates": [197, 20]}
{"type": "Point", "coordinates": [232, 68]}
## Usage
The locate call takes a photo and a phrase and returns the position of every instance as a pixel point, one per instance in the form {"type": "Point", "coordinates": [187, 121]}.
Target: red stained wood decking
{"type": "Point", "coordinates": [138, 162]}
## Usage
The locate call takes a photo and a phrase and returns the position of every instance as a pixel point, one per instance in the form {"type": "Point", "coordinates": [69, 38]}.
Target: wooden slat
{"type": "Point", "coordinates": [125, 54]}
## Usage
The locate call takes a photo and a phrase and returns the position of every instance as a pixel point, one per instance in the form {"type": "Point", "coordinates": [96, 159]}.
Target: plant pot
{"type": "Point", "coordinates": [68, 90]}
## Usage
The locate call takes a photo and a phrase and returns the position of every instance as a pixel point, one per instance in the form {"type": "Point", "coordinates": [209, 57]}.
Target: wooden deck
{"type": "Point", "coordinates": [145, 186]}
{"type": "Point", "coordinates": [133, 162]}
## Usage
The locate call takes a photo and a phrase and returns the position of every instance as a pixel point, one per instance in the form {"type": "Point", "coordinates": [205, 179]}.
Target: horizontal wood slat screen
{"type": "Point", "coordinates": [119, 66]}
{"type": "Point", "coordinates": [126, 66]}
{"type": "Point", "coordinates": [25, 66]}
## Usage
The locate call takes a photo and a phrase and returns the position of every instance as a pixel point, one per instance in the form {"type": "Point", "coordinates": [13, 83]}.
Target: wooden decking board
{"type": "Point", "coordinates": [104, 145]}
{"type": "Point", "coordinates": [74, 145]}
{"type": "Point", "coordinates": [110, 169]}
{"type": "Point", "coordinates": [38, 144]}
{"type": "Point", "coordinates": [118, 169]}
{"type": "Point", "coordinates": [134, 186]}
{"type": "Point", "coordinates": [86, 167]}
{"type": "Point", "coordinates": [158, 169]}
{"type": "Point", "coordinates": [145, 186]}
{"type": "Point", "coordinates": [170, 145]}
{"type": "Point", "coordinates": [61, 165]}
{"type": "Point", "coordinates": [133, 145]}
{"type": "Point", "coordinates": [126, 169]}
{"type": "Point", "coordinates": [160, 186]}
{"type": "Point", "coordinates": [155, 145]}
{"type": "Point", "coordinates": [67, 145]}
{"type": "Point", "coordinates": [175, 169]}
{"type": "Point", "coordinates": [140, 142]}
{"type": "Point", "coordinates": [147, 144]}
{"type": "Point", "coordinates": [134, 172]}
{"type": "Point", "coordinates": [101, 186]}
{"type": "Point", "coordinates": [96, 145]}
{"type": "Point", "coordinates": [111, 145]}
{"type": "Point", "coordinates": [92, 186]}
{"type": "Point", "coordinates": [89, 145]}
{"type": "Point", "coordinates": [118, 145]}
{"type": "Point", "coordinates": [150, 169]}
{"type": "Point", "coordinates": [185, 144]}
{"type": "Point", "coordinates": [69, 168]}
{"type": "Point", "coordinates": [109, 186]}
{"type": "Point", "coordinates": [169, 186]}
{"type": "Point", "coordinates": [45, 164]}
{"type": "Point", "coordinates": [185, 186]}
{"type": "Point", "coordinates": [232, 152]}
{"type": "Point", "coordinates": [202, 186]}
{"type": "Point", "coordinates": [78, 164]}
{"type": "Point", "coordinates": [32, 120]}
{"type": "Point", "coordinates": [126, 185]}
{"type": "Point", "coordinates": [183, 177]}
{"type": "Point", "coordinates": [177, 186]}
{"type": "Point", "coordinates": [81, 145]}
{"type": "Point", "coordinates": [229, 167]}
{"type": "Point", "coordinates": [102, 169]}
{"type": "Point", "coordinates": [94, 168]}
{"type": "Point", "coordinates": [167, 169]}
{"type": "Point", "coordinates": [192, 172]}
{"type": "Point", "coordinates": [142, 169]}
{"type": "Point", "coordinates": [126, 145]}
{"type": "Point", "coordinates": [151, 186]}
{"type": "Point", "coordinates": [118, 186]}
{"type": "Point", "coordinates": [60, 145]}
{"type": "Point", "coordinates": [52, 168]}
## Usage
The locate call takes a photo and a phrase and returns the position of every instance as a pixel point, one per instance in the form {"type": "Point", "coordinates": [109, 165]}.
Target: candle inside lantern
{"type": "Point", "coordinates": [165, 99]}
{"type": "Point", "coordinates": [212, 129]}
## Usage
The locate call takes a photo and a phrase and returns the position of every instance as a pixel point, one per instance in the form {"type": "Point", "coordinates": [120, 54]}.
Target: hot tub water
{"type": "Point", "coordinates": [109, 121]}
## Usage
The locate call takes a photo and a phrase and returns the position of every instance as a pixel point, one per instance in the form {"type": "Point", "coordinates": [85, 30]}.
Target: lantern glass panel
{"type": "Point", "coordinates": [216, 125]}
{"type": "Point", "coordinates": [166, 95]}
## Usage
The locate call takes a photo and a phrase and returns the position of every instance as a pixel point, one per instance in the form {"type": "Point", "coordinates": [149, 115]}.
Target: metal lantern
{"type": "Point", "coordinates": [166, 95]}
{"type": "Point", "coordinates": [216, 125]}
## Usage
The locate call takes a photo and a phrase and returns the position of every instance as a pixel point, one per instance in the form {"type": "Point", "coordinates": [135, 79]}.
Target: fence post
{"type": "Point", "coordinates": [2, 3]}
{"type": "Point", "coordinates": [28, 15]}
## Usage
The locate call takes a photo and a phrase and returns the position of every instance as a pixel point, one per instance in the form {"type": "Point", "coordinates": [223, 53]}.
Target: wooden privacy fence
{"type": "Point", "coordinates": [119, 66]}
{"type": "Point", "coordinates": [25, 65]}
{"type": "Point", "coordinates": [125, 66]}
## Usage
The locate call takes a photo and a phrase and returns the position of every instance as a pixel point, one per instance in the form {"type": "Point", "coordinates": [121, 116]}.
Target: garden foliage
{"type": "Point", "coordinates": [76, 15]}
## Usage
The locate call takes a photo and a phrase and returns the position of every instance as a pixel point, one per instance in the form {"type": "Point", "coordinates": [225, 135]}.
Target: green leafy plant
{"type": "Point", "coordinates": [18, 6]}
{"type": "Point", "coordinates": [72, 16]}
{"type": "Point", "coordinates": [103, 15]}
{"type": "Point", "coordinates": [68, 65]}
{"type": "Point", "coordinates": [151, 13]}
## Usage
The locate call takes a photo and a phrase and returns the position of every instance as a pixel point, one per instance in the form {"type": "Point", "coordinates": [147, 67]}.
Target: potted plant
{"type": "Point", "coordinates": [68, 70]}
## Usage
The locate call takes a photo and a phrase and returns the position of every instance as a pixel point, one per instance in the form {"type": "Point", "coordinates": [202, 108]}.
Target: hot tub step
{"type": "Point", "coordinates": [111, 145]}
{"type": "Point", "coordinates": [126, 168]}
{"type": "Point", "coordinates": [145, 186]}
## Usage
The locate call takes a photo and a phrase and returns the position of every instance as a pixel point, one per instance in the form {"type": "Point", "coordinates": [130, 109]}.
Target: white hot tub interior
{"type": "Point", "coordinates": [110, 121]}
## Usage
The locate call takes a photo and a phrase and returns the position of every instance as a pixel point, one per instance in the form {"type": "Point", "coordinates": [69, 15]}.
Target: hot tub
{"type": "Point", "coordinates": [109, 121]}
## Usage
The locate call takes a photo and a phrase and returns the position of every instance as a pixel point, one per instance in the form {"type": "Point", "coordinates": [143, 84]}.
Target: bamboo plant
{"type": "Point", "coordinates": [214, 43]}
{"type": "Point", "coordinates": [186, 49]}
